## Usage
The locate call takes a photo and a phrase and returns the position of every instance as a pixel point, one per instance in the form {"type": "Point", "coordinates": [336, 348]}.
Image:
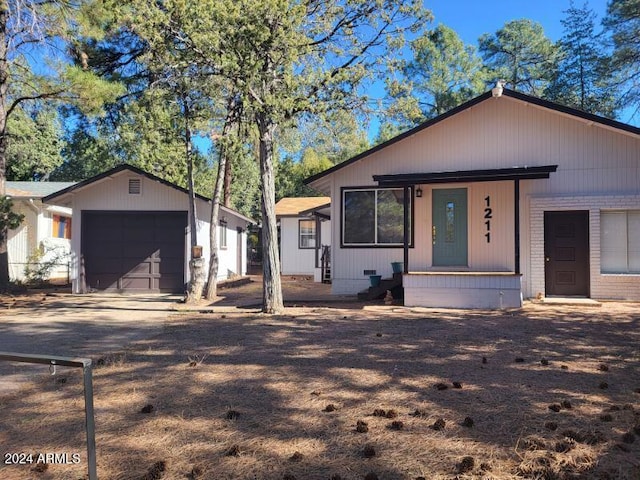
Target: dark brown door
{"type": "Point", "coordinates": [566, 246]}
{"type": "Point", "coordinates": [134, 251]}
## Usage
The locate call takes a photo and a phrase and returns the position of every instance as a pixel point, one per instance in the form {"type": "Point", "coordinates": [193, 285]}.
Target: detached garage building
{"type": "Point", "coordinates": [130, 233]}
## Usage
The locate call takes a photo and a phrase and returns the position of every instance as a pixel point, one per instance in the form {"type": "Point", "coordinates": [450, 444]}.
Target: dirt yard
{"type": "Point", "coordinates": [350, 392]}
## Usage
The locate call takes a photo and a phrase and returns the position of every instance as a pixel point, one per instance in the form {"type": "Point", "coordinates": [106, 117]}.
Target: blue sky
{"type": "Point", "coordinates": [472, 18]}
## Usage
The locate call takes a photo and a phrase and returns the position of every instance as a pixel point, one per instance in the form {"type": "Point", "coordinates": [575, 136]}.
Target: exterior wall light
{"type": "Point", "coordinates": [418, 192]}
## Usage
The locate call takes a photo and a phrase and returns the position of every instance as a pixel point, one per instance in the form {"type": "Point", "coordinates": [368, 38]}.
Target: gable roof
{"type": "Point", "coordinates": [34, 189]}
{"type": "Point", "coordinates": [295, 206]}
{"type": "Point", "coordinates": [130, 168]}
{"type": "Point", "coordinates": [607, 122]}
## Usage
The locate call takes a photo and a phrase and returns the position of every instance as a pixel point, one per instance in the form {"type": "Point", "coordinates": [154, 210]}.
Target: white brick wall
{"type": "Point", "coordinates": [602, 286]}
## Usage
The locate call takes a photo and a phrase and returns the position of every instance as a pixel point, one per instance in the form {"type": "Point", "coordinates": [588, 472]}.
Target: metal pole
{"type": "Point", "coordinates": [405, 211]}
{"type": "Point", "coordinates": [318, 239]}
{"type": "Point", "coordinates": [90, 421]}
{"type": "Point", "coordinates": [85, 364]}
{"type": "Point", "coordinates": [516, 201]}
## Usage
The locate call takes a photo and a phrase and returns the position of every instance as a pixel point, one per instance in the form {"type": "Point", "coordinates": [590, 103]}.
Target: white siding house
{"type": "Point", "coordinates": [305, 236]}
{"type": "Point", "coordinates": [44, 235]}
{"type": "Point", "coordinates": [130, 233]}
{"type": "Point", "coordinates": [506, 196]}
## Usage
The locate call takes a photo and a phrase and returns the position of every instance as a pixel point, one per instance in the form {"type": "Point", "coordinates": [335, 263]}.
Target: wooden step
{"type": "Point", "coordinates": [326, 278]}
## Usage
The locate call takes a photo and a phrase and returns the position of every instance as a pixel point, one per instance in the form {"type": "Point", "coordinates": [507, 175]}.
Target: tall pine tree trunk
{"type": "Point", "coordinates": [214, 259]}
{"type": "Point", "coordinates": [4, 85]}
{"type": "Point", "coordinates": [272, 301]}
{"type": "Point", "coordinates": [4, 230]}
{"type": "Point", "coordinates": [193, 237]}
{"type": "Point", "coordinates": [196, 265]}
{"type": "Point", "coordinates": [223, 166]}
{"type": "Point", "coordinates": [226, 191]}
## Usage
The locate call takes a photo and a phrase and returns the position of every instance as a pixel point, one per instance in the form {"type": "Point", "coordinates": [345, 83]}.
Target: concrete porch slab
{"type": "Point", "coordinates": [589, 302]}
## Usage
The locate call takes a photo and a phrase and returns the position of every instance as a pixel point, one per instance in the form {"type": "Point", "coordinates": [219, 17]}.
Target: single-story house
{"type": "Point", "coordinates": [130, 233]}
{"type": "Point", "coordinates": [504, 197]}
{"type": "Point", "coordinates": [305, 236]}
{"type": "Point", "coordinates": [43, 237]}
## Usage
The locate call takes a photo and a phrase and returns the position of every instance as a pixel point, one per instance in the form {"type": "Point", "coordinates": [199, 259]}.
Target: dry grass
{"type": "Point", "coordinates": [245, 397]}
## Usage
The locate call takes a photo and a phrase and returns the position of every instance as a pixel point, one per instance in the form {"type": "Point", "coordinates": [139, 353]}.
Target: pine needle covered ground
{"type": "Point", "coordinates": [352, 392]}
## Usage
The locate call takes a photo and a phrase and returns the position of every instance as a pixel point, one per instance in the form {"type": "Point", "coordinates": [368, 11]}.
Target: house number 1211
{"type": "Point", "coordinates": [487, 217]}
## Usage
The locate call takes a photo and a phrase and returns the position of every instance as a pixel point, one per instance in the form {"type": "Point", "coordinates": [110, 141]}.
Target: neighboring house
{"type": "Point", "coordinates": [506, 196]}
{"type": "Point", "coordinates": [305, 236]}
{"type": "Point", "coordinates": [45, 233]}
{"type": "Point", "coordinates": [130, 233]}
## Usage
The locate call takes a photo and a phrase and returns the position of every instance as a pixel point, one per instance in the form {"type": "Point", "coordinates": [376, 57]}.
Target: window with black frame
{"type": "Point", "coordinates": [306, 234]}
{"type": "Point", "coordinates": [373, 217]}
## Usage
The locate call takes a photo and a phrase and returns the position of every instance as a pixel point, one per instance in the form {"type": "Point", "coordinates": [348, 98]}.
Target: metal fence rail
{"type": "Point", "coordinates": [85, 364]}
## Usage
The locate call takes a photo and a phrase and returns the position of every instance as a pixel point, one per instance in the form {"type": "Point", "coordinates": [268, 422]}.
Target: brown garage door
{"type": "Point", "coordinates": [134, 251]}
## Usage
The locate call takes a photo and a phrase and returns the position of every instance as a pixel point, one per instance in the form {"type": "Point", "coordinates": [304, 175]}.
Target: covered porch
{"type": "Point", "coordinates": [321, 215]}
{"type": "Point", "coordinates": [450, 279]}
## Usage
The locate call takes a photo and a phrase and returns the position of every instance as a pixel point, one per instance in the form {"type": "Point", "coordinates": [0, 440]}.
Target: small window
{"type": "Point", "coordinates": [306, 234]}
{"type": "Point", "coordinates": [135, 186]}
{"type": "Point", "coordinates": [223, 235]}
{"type": "Point", "coordinates": [450, 223]}
{"type": "Point", "coordinates": [61, 227]}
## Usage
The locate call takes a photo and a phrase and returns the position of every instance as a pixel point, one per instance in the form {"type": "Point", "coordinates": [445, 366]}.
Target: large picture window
{"type": "Point", "coordinates": [619, 241]}
{"type": "Point", "coordinates": [306, 234]}
{"type": "Point", "coordinates": [373, 217]}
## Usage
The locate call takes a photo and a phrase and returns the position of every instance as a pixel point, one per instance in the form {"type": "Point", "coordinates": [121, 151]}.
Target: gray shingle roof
{"type": "Point", "coordinates": [35, 189]}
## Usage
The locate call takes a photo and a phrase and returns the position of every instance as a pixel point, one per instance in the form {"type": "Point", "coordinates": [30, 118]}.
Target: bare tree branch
{"type": "Point", "coordinates": [41, 96]}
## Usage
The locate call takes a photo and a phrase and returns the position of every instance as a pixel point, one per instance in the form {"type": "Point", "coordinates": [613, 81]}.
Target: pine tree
{"type": "Point", "coordinates": [29, 28]}
{"type": "Point", "coordinates": [287, 58]}
{"type": "Point", "coordinates": [522, 55]}
{"type": "Point", "coordinates": [35, 147]}
{"type": "Point", "coordinates": [581, 80]}
{"type": "Point", "coordinates": [443, 73]}
{"type": "Point", "coordinates": [622, 23]}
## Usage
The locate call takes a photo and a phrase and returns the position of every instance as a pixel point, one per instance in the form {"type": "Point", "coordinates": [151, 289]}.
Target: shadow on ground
{"type": "Point", "coordinates": [246, 396]}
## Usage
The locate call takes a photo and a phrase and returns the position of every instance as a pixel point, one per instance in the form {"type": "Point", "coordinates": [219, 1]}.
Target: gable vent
{"type": "Point", "coordinates": [135, 186]}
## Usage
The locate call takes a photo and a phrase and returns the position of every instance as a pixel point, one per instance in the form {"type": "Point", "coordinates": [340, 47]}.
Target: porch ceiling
{"type": "Point", "coordinates": [323, 211]}
{"type": "Point", "coordinates": [490, 175]}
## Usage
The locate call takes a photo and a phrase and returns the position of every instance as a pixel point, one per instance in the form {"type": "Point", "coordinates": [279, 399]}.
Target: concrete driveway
{"type": "Point", "coordinates": [76, 326]}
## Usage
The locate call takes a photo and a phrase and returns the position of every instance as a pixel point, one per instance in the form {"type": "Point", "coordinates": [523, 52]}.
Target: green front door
{"type": "Point", "coordinates": [449, 229]}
